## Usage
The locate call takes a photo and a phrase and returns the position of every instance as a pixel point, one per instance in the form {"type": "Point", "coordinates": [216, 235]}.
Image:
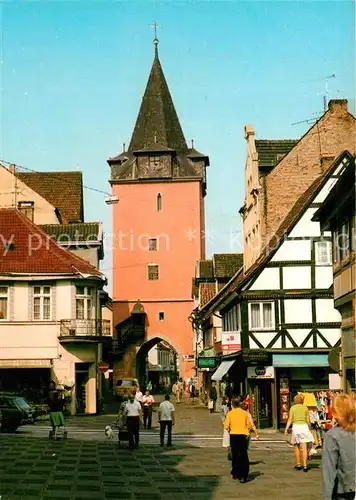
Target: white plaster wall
{"type": "Point", "coordinates": [64, 300]}
{"type": "Point", "coordinates": [325, 191]}
{"type": "Point", "coordinates": [323, 277]}
{"type": "Point", "coordinates": [306, 227]}
{"type": "Point", "coordinates": [44, 211]}
{"type": "Point", "coordinates": [299, 334]}
{"type": "Point", "coordinates": [298, 277]}
{"type": "Point", "coordinates": [298, 310]}
{"type": "Point", "coordinates": [267, 280]}
{"type": "Point", "coordinates": [34, 340]}
{"type": "Point", "coordinates": [265, 337]}
{"type": "Point", "coordinates": [21, 305]}
{"type": "Point", "coordinates": [325, 311]}
{"type": "Point", "coordinates": [332, 335]}
{"type": "Point", "coordinates": [293, 250]}
{"type": "Point", "coordinates": [153, 356]}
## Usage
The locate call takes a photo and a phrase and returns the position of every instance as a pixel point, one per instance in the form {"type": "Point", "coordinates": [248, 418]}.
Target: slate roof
{"type": "Point", "coordinates": [226, 264]}
{"type": "Point", "coordinates": [63, 190]}
{"type": "Point", "coordinates": [270, 152]}
{"type": "Point", "coordinates": [297, 211]}
{"type": "Point", "coordinates": [207, 292]}
{"type": "Point", "coordinates": [28, 256]}
{"type": "Point", "coordinates": [157, 121]}
{"type": "Point", "coordinates": [205, 269]}
{"type": "Point", "coordinates": [85, 232]}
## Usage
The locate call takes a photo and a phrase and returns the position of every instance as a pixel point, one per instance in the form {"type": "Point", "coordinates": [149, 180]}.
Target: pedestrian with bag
{"type": "Point", "coordinates": [166, 418]}
{"type": "Point", "coordinates": [237, 423]}
{"type": "Point", "coordinates": [339, 454]}
{"type": "Point", "coordinates": [133, 416]}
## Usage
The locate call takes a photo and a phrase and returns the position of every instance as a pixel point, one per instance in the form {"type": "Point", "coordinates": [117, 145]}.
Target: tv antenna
{"type": "Point", "coordinates": [326, 92]}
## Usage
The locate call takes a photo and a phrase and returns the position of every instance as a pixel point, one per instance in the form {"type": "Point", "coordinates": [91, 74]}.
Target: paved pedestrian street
{"type": "Point", "coordinates": [86, 466]}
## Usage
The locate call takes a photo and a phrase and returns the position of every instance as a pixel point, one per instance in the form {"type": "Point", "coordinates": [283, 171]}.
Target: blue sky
{"type": "Point", "coordinates": [73, 74]}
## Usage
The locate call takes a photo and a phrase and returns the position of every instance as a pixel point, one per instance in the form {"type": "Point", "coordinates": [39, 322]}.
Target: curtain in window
{"type": "Point", "coordinates": [255, 316]}
{"type": "Point", "coordinates": [80, 309]}
{"type": "Point", "coordinates": [267, 315]}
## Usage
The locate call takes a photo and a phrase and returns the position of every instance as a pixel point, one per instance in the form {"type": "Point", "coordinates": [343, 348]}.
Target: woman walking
{"type": "Point", "coordinates": [339, 462]}
{"type": "Point", "coordinates": [225, 408]}
{"type": "Point", "coordinates": [301, 435]}
{"type": "Point", "coordinates": [238, 425]}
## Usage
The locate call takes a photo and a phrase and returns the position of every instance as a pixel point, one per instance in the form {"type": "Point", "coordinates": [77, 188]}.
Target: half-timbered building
{"type": "Point", "coordinates": [283, 312]}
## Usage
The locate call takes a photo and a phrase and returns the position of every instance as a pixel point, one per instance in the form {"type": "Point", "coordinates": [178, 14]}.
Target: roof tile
{"type": "Point", "coordinates": [64, 190]}
{"type": "Point", "coordinates": [33, 251]}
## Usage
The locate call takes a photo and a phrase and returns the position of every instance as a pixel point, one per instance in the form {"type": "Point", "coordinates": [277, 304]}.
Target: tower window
{"type": "Point", "coordinates": [159, 202]}
{"type": "Point", "coordinates": [27, 208]}
{"type": "Point", "coordinates": [153, 272]}
{"type": "Point", "coordinates": [154, 161]}
{"type": "Point", "coordinates": [161, 315]}
{"type": "Point", "coordinates": [152, 244]}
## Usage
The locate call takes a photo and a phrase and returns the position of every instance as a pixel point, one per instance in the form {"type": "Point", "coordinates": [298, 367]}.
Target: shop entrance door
{"type": "Point", "coordinates": [263, 402]}
{"type": "Point", "coordinates": [81, 381]}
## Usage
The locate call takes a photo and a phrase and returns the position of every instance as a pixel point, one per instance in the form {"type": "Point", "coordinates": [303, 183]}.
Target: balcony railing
{"type": "Point", "coordinates": [85, 328]}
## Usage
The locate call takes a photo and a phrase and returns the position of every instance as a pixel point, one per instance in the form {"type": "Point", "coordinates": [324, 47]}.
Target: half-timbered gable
{"type": "Point", "coordinates": [289, 296]}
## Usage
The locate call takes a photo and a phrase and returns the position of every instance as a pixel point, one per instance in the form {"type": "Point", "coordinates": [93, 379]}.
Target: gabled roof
{"type": "Point", "coordinates": [63, 190]}
{"type": "Point", "coordinates": [157, 121]}
{"type": "Point", "coordinates": [226, 264]}
{"type": "Point", "coordinates": [295, 214]}
{"type": "Point", "coordinates": [270, 152]}
{"type": "Point", "coordinates": [29, 250]}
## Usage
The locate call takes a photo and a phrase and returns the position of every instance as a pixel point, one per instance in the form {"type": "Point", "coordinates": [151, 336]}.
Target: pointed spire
{"type": "Point", "coordinates": [157, 121]}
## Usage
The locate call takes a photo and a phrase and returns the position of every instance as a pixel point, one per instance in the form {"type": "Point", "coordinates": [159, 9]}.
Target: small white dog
{"type": "Point", "coordinates": [109, 433]}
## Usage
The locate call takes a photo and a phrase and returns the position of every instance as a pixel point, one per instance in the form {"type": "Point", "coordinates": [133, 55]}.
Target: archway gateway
{"type": "Point", "coordinates": [157, 361]}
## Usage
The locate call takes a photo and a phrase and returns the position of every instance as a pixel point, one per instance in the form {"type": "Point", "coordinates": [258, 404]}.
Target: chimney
{"type": "Point", "coordinates": [12, 169]}
{"type": "Point", "coordinates": [338, 106]}
{"type": "Point", "coordinates": [249, 130]}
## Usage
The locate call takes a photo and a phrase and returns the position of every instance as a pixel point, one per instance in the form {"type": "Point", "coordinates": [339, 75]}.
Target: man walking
{"type": "Point", "coordinates": [213, 396]}
{"type": "Point", "coordinates": [147, 402]}
{"type": "Point", "coordinates": [166, 418]}
{"type": "Point", "coordinates": [133, 412]}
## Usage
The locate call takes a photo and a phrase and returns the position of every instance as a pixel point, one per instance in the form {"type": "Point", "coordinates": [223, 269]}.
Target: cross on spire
{"type": "Point", "coordinates": [155, 40]}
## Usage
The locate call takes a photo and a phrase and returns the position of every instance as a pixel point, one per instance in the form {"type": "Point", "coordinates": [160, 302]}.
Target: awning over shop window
{"type": "Point", "coordinates": [300, 360]}
{"type": "Point", "coordinates": [222, 370]}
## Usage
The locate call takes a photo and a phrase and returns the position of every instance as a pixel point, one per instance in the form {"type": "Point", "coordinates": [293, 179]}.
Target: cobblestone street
{"type": "Point", "coordinates": [34, 468]}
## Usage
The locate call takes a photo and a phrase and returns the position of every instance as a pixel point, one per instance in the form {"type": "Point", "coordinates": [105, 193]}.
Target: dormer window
{"type": "Point", "coordinates": [159, 202]}
{"type": "Point", "coordinates": [27, 208]}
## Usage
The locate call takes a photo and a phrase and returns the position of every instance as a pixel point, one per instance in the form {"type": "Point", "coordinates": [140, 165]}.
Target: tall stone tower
{"type": "Point", "coordinates": [159, 233]}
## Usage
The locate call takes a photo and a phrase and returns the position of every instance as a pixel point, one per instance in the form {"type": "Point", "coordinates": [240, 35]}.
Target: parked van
{"type": "Point", "coordinates": [124, 387]}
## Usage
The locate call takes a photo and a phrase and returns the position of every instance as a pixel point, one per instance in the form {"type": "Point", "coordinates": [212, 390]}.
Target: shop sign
{"type": "Point", "coordinates": [260, 372]}
{"type": "Point", "coordinates": [257, 358]}
{"type": "Point", "coordinates": [206, 362]}
{"type": "Point", "coordinates": [231, 341]}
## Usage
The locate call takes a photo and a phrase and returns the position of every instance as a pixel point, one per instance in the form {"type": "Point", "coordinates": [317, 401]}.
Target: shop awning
{"type": "Point", "coordinates": [299, 360]}
{"type": "Point", "coordinates": [222, 370]}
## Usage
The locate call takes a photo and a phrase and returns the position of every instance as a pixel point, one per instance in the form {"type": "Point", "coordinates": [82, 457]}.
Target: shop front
{"type": "Point", "coordinates": [274, 379]}
{"type": "Point", "coordinates": [206, 367]}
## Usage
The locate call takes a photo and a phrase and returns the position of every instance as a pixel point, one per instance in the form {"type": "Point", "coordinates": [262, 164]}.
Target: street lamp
{"type": "Point", "coordinates": [112, 200]}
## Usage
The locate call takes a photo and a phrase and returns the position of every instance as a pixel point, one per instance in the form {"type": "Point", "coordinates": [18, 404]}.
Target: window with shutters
{"type": "Point", "coordinates": [84, 302]}
{"type": "Point", "coordinates": [4, 302]}
{"type": "Point", "coordinates": [42, 303]}
{"type": "Point", "coordinates": [261, 315]}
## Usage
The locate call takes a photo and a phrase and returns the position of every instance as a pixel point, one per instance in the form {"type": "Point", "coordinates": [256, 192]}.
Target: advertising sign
{"type": "Point", "coordinates": [257, 357]}
{"type": "Point", "coordinates": [206, 362]}
{"type": "Point", "coordinates": [260, 372]}
{"type": "Point", "coordinates": [231, 341]}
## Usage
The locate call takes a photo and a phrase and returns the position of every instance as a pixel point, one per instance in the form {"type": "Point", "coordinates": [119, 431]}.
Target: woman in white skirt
{"type": "Point", "coordinates": [301, 434]}
{"type": "Point", "coordinates": [225, 408]}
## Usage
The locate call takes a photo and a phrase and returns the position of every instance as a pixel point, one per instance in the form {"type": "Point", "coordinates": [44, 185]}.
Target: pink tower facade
{"type": "Point", "coordinates": [159, 225]}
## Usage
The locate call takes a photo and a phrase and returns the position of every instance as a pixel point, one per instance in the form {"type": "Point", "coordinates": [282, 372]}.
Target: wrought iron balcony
{"type": "Point", "coordinates": [85, 328]}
